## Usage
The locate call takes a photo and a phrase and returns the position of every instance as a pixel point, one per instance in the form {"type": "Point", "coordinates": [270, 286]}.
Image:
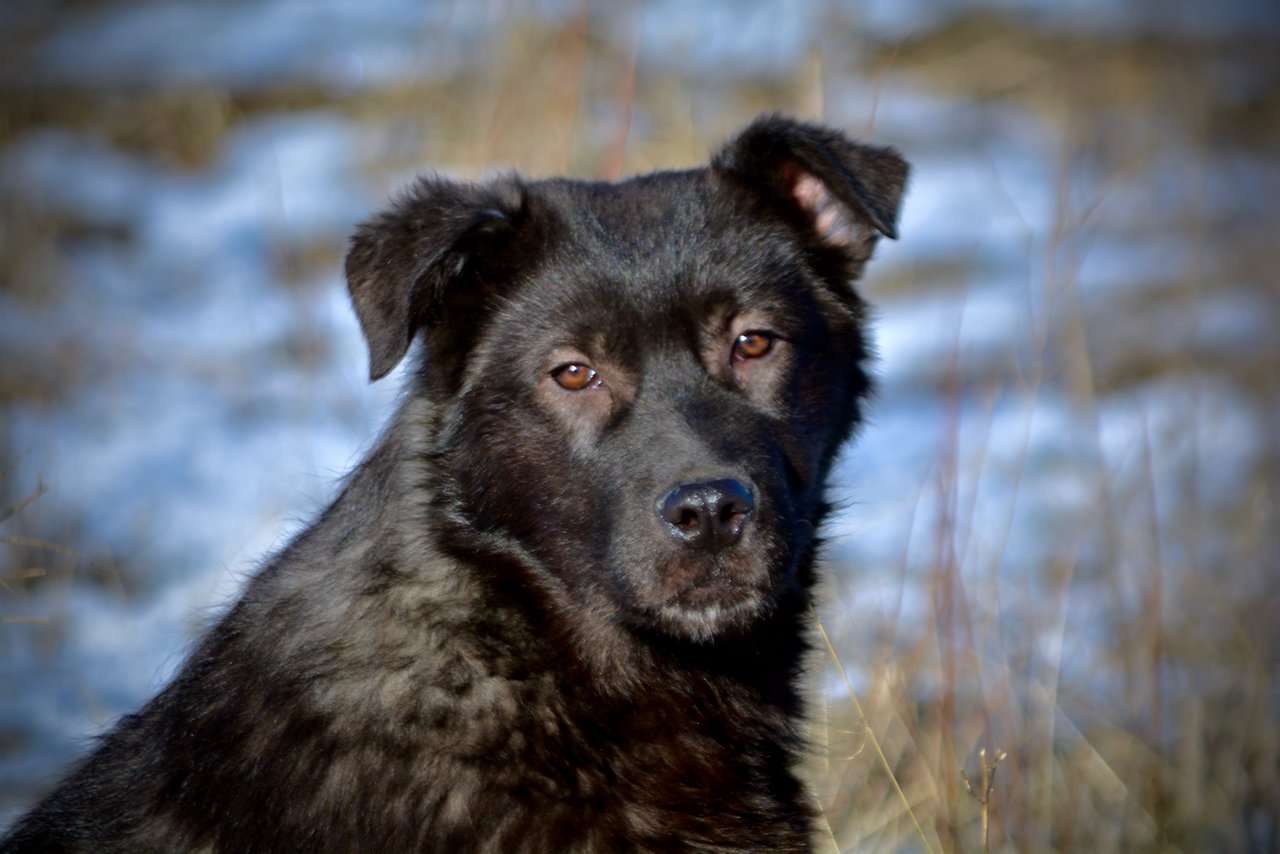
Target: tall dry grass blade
{"type": "Point", "coordinates": [8, 512]}
{"type": "Point", "coordinates": [983, 794]}
{"type": "Point", "coordinates": [871, 735]}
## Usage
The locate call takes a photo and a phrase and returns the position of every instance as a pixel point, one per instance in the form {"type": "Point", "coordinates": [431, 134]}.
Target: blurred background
{"type": "Point", "coordinates": [1058, 540]}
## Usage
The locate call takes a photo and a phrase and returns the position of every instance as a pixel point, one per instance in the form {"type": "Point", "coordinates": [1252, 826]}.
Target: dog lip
{"type": "Point", "coordinates": [714, 585]}
{"type": "Point", "coordinates": [705, 619]}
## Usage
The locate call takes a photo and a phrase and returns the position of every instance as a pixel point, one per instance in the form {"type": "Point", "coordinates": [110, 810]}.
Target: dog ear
{"type": "Point", "coordinates": [847, 191]}
{"type": "Point", "coordinates": [402, 262]}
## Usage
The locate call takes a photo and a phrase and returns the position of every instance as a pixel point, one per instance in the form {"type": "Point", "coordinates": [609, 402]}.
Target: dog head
{"type": "Point", "coordinates": [641, 386]}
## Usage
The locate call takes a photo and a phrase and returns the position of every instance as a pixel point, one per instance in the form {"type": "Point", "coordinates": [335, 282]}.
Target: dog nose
{"type": "Point", "coordinates": [708, 516]}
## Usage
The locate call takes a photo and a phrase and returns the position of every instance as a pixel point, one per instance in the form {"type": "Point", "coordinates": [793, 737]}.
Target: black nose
{"type": "Point", "coordinates": [708, 516]}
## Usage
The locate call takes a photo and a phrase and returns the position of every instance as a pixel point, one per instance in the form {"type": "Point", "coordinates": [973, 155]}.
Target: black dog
{"type": "Point", "coordinates": [562, 606]}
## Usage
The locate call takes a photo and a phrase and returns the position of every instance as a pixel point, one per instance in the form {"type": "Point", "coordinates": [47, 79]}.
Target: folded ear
{"type": "Point", "coordinates": [402, 263]}
{"type": "Point", "coordinates": [848, 192]}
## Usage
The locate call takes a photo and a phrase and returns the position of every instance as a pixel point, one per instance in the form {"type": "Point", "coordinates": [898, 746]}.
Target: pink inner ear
{"type": "Point", "coordinates": [830, 220]}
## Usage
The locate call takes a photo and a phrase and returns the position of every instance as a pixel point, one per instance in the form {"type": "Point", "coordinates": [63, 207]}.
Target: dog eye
{"type": "Point", "coordinates": [752, 345]}
{"type": "Point", "coordinates": [576, 377]}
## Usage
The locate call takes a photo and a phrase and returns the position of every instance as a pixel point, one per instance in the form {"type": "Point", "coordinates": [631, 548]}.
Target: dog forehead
{"type": "Point", "coordinates": [658, 243]}
{"type": "Point", "coordinates": [638, 207]}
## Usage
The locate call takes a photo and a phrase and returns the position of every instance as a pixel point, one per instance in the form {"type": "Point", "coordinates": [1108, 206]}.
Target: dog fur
{"type": "Point", "coordinates": [542, 617]}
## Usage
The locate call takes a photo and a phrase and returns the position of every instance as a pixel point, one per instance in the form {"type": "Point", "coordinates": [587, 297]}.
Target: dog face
{"type": "Point", "coordinates": [640, 387]}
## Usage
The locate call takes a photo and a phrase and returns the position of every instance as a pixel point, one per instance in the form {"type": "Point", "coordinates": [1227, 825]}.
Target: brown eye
{"type": "Point", "coordinates": [752, 345]}
{"type": "Point", "coordinates": [576, 377]}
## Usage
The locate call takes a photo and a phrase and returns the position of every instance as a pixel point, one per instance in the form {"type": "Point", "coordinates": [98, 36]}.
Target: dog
{"type": "Point", "coordinates": [563, 605]}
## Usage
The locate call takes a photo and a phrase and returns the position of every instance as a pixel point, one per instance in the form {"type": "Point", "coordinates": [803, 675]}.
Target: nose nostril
{"type": "Point", "coordinates": [708, 516]}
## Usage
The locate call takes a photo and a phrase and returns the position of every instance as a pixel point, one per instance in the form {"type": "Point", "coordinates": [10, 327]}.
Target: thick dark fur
{"type": "Point", "coordinates": [495, 639]}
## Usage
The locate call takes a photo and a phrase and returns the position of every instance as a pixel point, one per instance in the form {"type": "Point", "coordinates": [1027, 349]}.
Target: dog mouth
{"type": "Point", "coordinates": [713, 592]}
{"type": "Point", "coordinates": [712, 605]}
